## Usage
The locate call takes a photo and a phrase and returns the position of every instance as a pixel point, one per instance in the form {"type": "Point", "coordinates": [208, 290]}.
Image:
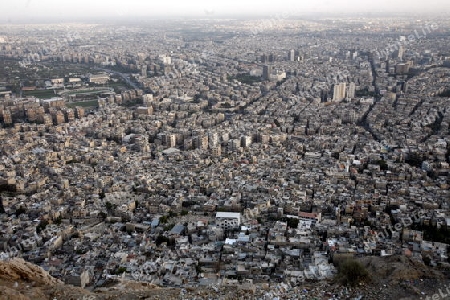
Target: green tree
{"type": "Point", "coordinates": [41, 226]}
{"type": "Point", "coordinates": [120, 270]}
{"type": "Point", "coordinates": [2, 208]}
{"type": "Point", "coordinates": [20, 210]}
{"type": "Point", "coordinates": [161, 239]}
{"type": "Point", "coordinates": [383, 165]}
{"type": "Point", "coordinates": [163, 219]}
{"type": "Point", "coordinates": [109, 206]}
{"type": "Point", "coordinates": [292, 222]}
{"type": "Point", "coordinates": [351, 272]}
{"type": "Point", "coordinates": [58, 220]}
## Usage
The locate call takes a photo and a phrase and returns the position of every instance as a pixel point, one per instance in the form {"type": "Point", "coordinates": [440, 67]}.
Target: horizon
{"type": "Point", "coordinates": [49, 11]}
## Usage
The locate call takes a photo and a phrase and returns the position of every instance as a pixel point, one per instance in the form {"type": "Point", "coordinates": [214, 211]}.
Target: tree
{"type": "Point", "coordinates": [2, 209]}
{"type": "Point", "coordinates": [41, 226]}
{"type": "Point", "coordinates": [110, 206]}
{"type": "Point", "coordinates": [292, 222]}
{"type": "Point", "coordinates": [383, 165]}
{"type": "Point", "coordinates": [161, 239]}
{"type": "Point", "coordinates": [163, 219]}
{"type": "Point", "coordinates": [351, 272]}
{"type": "Point", "coordinates": [58, 220]}
{"type": "Point", "coordinates": [120, 270]}
{"type": "Point", "coordinates": [415, 159]}
{"type": "Point", "coordinates": [198, 269]}
{"type": "Point", "coordinates": [20, 210]}
{"type": "Point", "coordinates": [426, 260]}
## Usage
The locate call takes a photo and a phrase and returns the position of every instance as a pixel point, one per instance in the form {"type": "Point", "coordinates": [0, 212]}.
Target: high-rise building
{"type": "Point", "coordinates": [147, 99]}
{"type": "Point", "coordinates": [401, 52]}
{"type": "Point", "coordinates": [171, 140]}
{"type": "Point", "coordinates": [233, 145]}
{"type": "Point", "coordinates": [267, 70]}
{"type": "Point", "coordinates": [188, 144]}
{"type": "Point", "coordinates": [343, 87]}
{"type": "Point", "coordinates": [144, 71]}
{"type": "Point", "coordinates": [271, 57]}
{"type": "Point", "coordinates": [168, 140]}
{"type": "Point", "coordinates": [264, 58]}
{"type": "Point", "coordinates": [216, 150]}
{"type": "Point", "coordinates": [401, 69]}
{"type": "Point", "coordinates": [351, 90]}
{"type": "Point", "coordinates": [213, 139]}
{"type": "Point", "coordinates": [291, 55]}
{"type": "Point", "coordinates": [336, 92]}
{"type": "Point", "coordinates": [200, 142]}
{"type": "Point", "coordinates": [7, 116]}
{"type": "Point", "coordinates": [339, 91]}
{"type": "Point", "coordinates": [246, 141]}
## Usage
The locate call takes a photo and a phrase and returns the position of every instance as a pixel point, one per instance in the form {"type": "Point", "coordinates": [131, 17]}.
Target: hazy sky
{"type": "Point", "coordinates": [36, 9]}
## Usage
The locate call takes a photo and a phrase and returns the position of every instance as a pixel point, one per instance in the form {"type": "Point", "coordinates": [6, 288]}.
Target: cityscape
{"type": "Point", "coordinates": [260, 155]}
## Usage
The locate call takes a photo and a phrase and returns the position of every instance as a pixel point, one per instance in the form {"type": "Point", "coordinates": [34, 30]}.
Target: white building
{"type": "Point", "coordinates": [228, 220]}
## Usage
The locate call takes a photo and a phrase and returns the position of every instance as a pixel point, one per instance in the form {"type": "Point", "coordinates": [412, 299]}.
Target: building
{"type": "Point", "coordinates": [216, 151]}
{"type": "Point", "coordinates": [313, 217]}
{"type": "Point", "coordinates": [401, 52]}
{"type": "Point", "coordinates": [166, 60]}
{"type": "Point", "coordinates": [201, 142]}
{"type": "Point", "coordinates": [271, 57]}
{"type": "Point", "coordinates": [291, 55]}
{"type": "Point", "coordinates": [267, 70]}
{"type": "Point", "coordinates": [246, 141]}
{"type": "Point", "coordinates": [144, 110]}
{"type": "Point", "coordinates": [147, 99]}
{"type": "Point", "coordinates": [402, 69]}
{"type": "Point", "coordinates": [213, 139]}
{"type": "Point", "coordinates": [339, 91]}
{"type": "Point", "coordinates": [144, 71]}
{"type": "Point", "coordinates": [228, 220]}
{"type": "Point", "coordinates": [6, 94]}
{"type": "Point", "coordinates": [351, 90]}
{"type": "Point", "coordinates": [264, 58]}
{"type": "Point", "coordinates": [98, 78]}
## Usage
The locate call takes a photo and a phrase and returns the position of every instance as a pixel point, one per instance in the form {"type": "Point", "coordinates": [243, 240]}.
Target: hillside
{"type": "Point", "coordinates": [395, 277]}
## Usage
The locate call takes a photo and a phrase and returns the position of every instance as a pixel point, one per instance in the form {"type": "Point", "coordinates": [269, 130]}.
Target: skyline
{"type": "Point", "coordinates": [47, 10]}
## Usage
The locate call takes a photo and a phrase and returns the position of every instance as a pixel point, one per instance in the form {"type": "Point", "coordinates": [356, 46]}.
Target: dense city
{"type": "Point", "coordinates": [224, 152]}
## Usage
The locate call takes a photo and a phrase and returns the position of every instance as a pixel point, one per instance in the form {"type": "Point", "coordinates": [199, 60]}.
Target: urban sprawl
{"type": "Point", "coordinates": [216, 151]}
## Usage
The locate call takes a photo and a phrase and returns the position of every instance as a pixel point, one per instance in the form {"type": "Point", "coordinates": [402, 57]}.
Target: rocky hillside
{"type": "Point", "coordinates": [21, 280]}
{"type": "Point", "coordinates": [394, 277]}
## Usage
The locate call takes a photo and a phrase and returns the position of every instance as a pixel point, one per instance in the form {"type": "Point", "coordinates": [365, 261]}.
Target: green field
{"type": "Point", "coordinates": [42, 94]}
{"type": "Point", "coordinates": [85, 92]}
{"type": "Point", "coordinates": [89, 103]}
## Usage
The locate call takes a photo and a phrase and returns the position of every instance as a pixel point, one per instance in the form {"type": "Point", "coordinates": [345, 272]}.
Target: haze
{"type": "Point", "coordinates": [32, 10]}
